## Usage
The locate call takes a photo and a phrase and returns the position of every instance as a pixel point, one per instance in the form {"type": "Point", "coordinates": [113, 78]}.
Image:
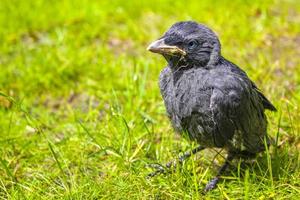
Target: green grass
{"type": "Point", "coordinates": [81, 114]}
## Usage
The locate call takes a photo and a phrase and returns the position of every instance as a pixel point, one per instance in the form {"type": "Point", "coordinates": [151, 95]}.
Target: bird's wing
{"type": "Point", "coordinates": [235, 69]}
{"type": "Point", "coordinates": [267, 104]}
{"type": "Point", "coordinates": [238, 114]}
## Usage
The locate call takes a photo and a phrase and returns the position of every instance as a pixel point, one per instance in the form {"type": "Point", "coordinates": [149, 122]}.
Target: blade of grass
{"type": "Point", "coordinates": [59, 166]}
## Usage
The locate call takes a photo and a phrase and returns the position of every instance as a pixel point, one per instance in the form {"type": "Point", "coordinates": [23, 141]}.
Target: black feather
{"type": "Point", "coordinates": [210, 99]}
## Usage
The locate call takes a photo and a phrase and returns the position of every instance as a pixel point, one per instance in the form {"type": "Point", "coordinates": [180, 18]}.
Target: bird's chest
{"type": "Point", "coordinates": [187, 93]}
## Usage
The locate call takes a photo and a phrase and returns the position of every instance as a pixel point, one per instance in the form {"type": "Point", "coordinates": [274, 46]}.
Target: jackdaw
{"type": "Point", "coordinates": [208, 98]}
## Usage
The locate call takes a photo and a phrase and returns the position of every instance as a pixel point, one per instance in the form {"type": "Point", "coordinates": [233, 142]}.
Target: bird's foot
{"type": "Point", "coordinates": [171, 166]}
{"type": "Point", "coordinates": [160, 169]}
{"type": "Point", "coordinates": [211, 184]}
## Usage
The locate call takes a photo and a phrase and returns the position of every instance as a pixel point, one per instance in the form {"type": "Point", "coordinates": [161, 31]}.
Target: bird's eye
{"type": "Point", "coordinates": [192, 44]}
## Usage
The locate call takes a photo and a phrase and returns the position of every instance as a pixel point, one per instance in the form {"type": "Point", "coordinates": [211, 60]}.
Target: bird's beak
{"type": "Point", "coordinates": [159, 46]}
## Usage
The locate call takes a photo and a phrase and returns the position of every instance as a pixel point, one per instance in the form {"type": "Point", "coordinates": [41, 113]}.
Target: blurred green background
{"type": "Point", "coordinates": [80, 109]}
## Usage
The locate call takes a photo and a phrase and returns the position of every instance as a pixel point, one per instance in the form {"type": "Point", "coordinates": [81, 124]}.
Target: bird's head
{"type": "Point", "coordinates": [188, 44]}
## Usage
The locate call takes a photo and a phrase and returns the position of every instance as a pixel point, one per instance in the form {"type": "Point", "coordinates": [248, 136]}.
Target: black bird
{"type": "Point", "coordinates": [208, 98]}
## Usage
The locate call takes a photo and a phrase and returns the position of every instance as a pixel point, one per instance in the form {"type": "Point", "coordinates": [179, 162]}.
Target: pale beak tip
{"type": "Point", "coordinates": [150, 47]}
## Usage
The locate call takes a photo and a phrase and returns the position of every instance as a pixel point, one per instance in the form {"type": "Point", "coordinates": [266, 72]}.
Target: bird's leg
{"type": "Point", "coordinates": [213, 183]}
{"type": "Point", "coordinates": [163, 169]}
